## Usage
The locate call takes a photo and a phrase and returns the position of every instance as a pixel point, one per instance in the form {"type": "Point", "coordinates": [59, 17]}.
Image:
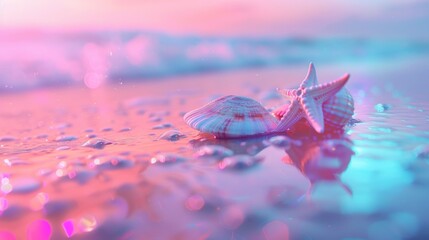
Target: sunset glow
{"type": "Point", "coordinates": [241, 17]}
{"type": "Point", "coordinates": [207, 119]}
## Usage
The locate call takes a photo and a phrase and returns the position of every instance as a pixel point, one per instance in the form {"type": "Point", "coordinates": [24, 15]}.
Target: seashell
{"type": "Point", "coordinates": [338, 110]}
{"type": "Point", "coordinates": [232, 116]}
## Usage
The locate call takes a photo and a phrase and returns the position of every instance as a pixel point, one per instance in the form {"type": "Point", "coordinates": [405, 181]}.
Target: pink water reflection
{"type": "Point", "coordinates": [5, 235]}
{"type": "Point", "coordinates": [68, 227]}
{"type": "Point", "coordinates": [39, 230]}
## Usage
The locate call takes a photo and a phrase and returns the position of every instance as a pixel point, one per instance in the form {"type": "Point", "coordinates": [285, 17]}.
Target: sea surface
{"type": "Point", "coordinates": [33, 59]}
{"type": "Point", "coordinates": [113, 159]}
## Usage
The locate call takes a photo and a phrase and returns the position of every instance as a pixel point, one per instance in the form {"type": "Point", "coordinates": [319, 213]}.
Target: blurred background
{"type": "Point", "coordinates": [75, 74]}
{"type": "Point", "coordinates": [91, 43]}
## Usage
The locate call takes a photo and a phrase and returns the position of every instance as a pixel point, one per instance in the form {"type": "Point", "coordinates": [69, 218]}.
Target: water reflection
{"type": "Point", "coordinates": [282, 182]}
{"type": "Point", "coordinates": [39, 230]}
{"type": "Point", "coordinates": [250, 146]}
{"type": "Point", "coordinates": [322, 160]}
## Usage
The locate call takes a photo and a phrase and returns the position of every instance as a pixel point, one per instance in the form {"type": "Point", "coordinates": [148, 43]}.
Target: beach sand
{"type": "Point", "coordinates": [369, 183]}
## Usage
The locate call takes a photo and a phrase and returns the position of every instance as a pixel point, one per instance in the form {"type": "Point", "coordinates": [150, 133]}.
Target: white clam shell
{"type": "Point", "coordinates": [232, 116]}
{"type": "Point", "coordinates": [338, 110]}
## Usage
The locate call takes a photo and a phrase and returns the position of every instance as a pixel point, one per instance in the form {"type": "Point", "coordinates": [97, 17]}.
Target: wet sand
{"type": "Point", "coordinates": [136, 183]}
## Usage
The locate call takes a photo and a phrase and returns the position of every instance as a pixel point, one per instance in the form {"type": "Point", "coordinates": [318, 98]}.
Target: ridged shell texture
{"type": "Point", "coordinates": [338, 110]}
{"type": "Point", "coordinates": [232, 116]}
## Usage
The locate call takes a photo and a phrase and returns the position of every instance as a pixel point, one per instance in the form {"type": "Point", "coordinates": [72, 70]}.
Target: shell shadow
{"type": "Point", "coordinates": [249, 145]}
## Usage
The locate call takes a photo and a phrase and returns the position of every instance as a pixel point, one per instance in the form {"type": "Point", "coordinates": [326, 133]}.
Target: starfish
{"type": "Point", "coordinates": [307, 101]}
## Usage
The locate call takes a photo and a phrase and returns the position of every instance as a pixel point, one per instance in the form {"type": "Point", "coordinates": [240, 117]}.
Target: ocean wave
{"type": "Point", "coordinates": [37, 59]}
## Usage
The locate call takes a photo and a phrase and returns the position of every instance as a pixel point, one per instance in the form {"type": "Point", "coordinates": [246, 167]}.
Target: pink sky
{"type": "Point", "coordinates": [213, 17]}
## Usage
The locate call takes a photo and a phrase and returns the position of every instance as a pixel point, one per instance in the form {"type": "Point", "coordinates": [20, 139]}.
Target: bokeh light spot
{"type": "Point", "coordinates": [39, 230]}
{"type": "Point", "coordinates": [194, 203]}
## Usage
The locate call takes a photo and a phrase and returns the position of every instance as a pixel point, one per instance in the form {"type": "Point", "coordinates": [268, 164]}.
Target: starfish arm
{"type": "Point", "coordinates": [311, 78]}
{"type": "Point", "coordinates": [293, 115]}
{"type": "Point", "coordinates": [280, 112]}
{"type": "Point", "coordinates": [323, 92]}
{"type": "Point", "coordinates": [314, 114]}
{"type": "Point", "coordinates": [287, 93]}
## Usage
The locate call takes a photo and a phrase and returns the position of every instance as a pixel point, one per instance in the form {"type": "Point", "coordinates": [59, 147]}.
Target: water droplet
{"type": "Point", "coordinates": [167, 158]}
{"type": "Point", "coordinates": [91, 135]}
{"type": "Point", "coordinates": [79, 175]}
{"type": "Point", "coordinates": [62, 148]}
{"type": "Point", "coordinates": [25, 185]}
{"type": "Point", "coordinates": [382, 107]}
{"type": "Point", "coordinates": [239, 162]}
{"type": "Point", "coordinates": [57, 207]}
{"type": "Point", "coordinates": [172, 135]}
{"type": "Point", "coordinates": [125, 129]}
{"type": "Point", "coordinates": [12, 162]}
{"type": "Point", "coordinates": [65, 138]}
{"type": "Point", "coordinates": [60, 126]}
{"type": "Point", "coordinates": [163, 126]}
{"type": "Point", "coordinates": [214, 151]}
{"type": "Point", "coordinates": [155, 119]}
{"type": "Point", "coordinates": [97, 143]}
{"type": "Point", "coordinates": [41, 136]}
{"type": "Point", "coordinates": [107, 129]}
{"type": "Point", "coordinates": [7, 138]}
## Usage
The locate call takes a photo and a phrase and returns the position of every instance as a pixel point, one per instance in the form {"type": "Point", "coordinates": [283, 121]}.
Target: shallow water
{"type": "Point", "coordinates": [119, 163]}
{"type": "Point", "coordinates": [32, 59]}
